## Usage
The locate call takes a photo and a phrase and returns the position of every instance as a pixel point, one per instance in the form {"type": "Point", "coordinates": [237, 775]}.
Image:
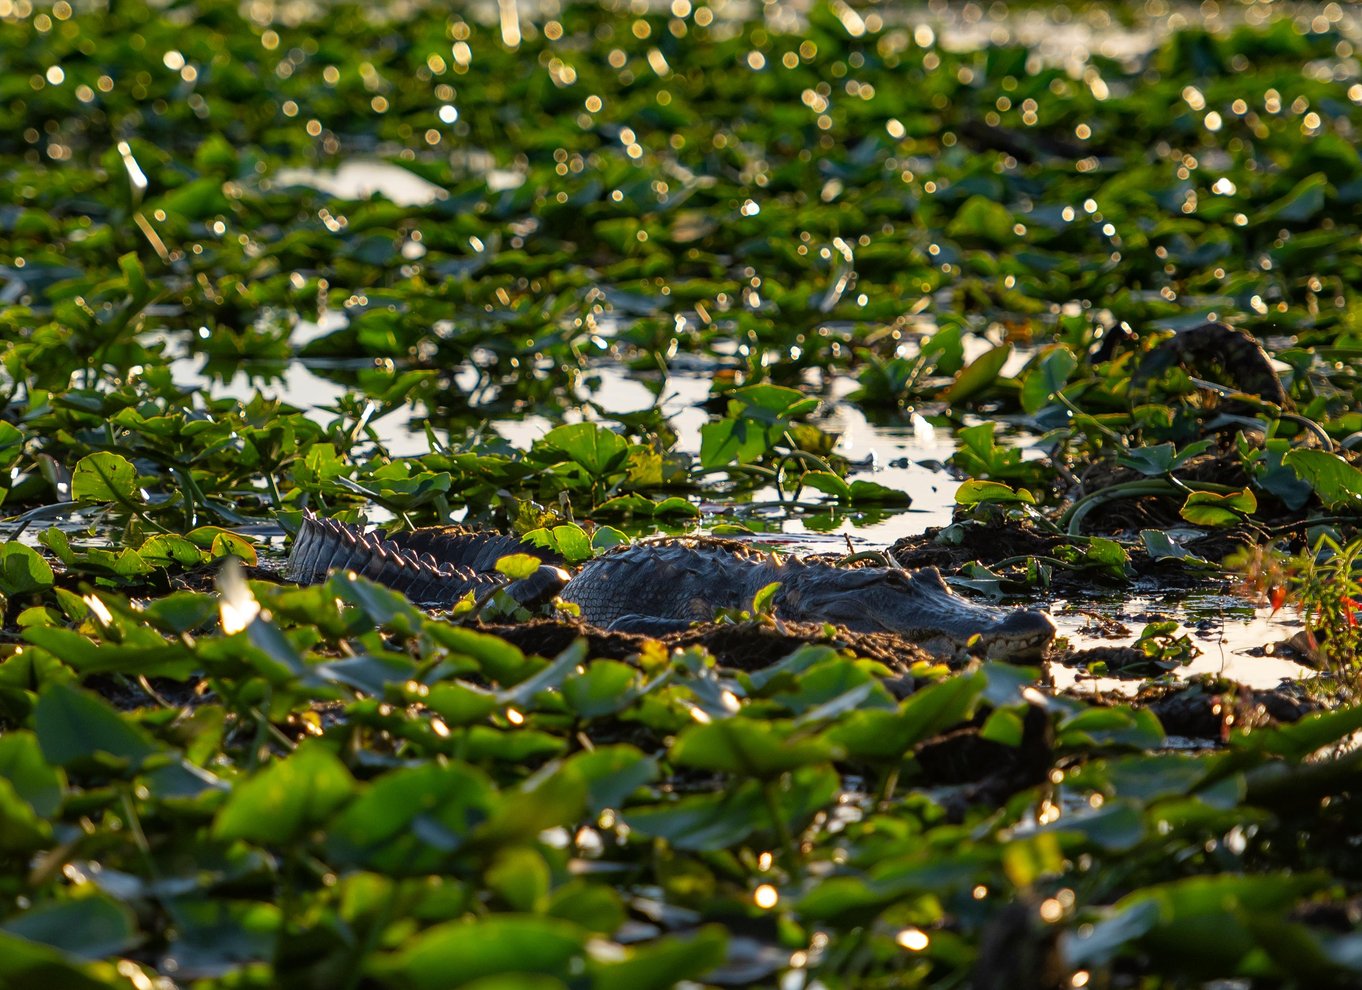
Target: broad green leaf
{"type": "Point", "coordinates": [91, 927]}
{"type": "Point", "coordinates": [980, 218]}
{"type": "Point", "coordinates": [605, 687]}
{"type": "Point", "coordinates": [596, 449]}
{"type": "Point", "coordinates": [74, 727]}
{"type": "Point", "coordinates": [1214, 509]}
{"type": "Point", "coordinates": [978, 376]}
{"type": "Point", "coordinates": [279, 804]}
{"type": "Point", "coordinates": [1302, 203]}
{"type": "Point", "coordinates": [748, 748]}
{"type": "Point", "coordinates": [974, 492]}
{"type": "Point", "coordinates": [1048, 375]}
{"type": "Point", "coordinates": [1337, 483]}
{"type": "Point", "coordinates": [411, 820]}
{"type": "Point", "coordinates": [457, 952]}
{"type": "Point", "coordinates": [105, 477]}
{"type": "Point", "coordinates": [518, 566]}
{"type": "Point", "coordinates": [663, 962]}
{"type": "Point", "coordinates": [22, 570]}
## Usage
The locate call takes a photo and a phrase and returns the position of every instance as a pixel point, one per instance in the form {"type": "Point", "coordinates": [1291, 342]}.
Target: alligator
{"type": "Point", "coordinates": [660, 586]}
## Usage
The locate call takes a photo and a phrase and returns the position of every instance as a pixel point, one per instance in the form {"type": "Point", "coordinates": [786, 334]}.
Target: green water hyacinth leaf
{"type": "Point", "coordinates": [28, 773]}
{"type": "Point", "coordinates": [975, 492]}
{"type": "Point", "coordinates": [410, 821]}
{"type": "Point", "coordinates": [1337, 483]}
{"type": "Point", "coordinates": [976, 377]}
{"type": "Point", "coordinates": [717, 821]}
{"type": "Point", "coordinates": [868, 493]}
{"type": "Point", "coordinates": [662, 963]}
{"type": "Point", "coordinates": [828, 483]}
{"type": "Point", "coordinates": [282, 802]}
{"type": "Point", "coordinates": [569, 540]}
{"type": "Point", "coordinates": [1158, 459]}
{"type": "Point", "coordinates": [165, 549]}
{"type": "Point", "coordinates": [1048, 375]}
{"type": "Point", "coordinates": [605, 687]}
{"type": "Point", "coordinates": [75, 728]}
{"type": "Point", "coordinates": [982, 219]}
{"type": "Point", "coordinates": [877, 734]}
{"type": "Point", "coordinates": [518, 566]}
{"type": "Point", "coordinates": [459, 952]}
{"type": "Point", "coordinates": [635, 504]}
{"type": "Point", "coordinates": [597, 450]}
{"type": "Point", "coordinates": [1117, 826]}
{"type": "Point", "coordinates": [1160, 546]}
{"type": "Point", "coordinates": [91, 927]}
{"type": "Point", "coordinates": [22, 570]}
{"type": "Point", "coordinates": [459, 704]}
{"type": "Point", "coordinates": [613, 773]}
{"type": "Point", "coordinates": [749, 748]}
{"type": "Point", "coordinates": [21, 830]}
{"type": "Point", "coordinates": [1124, 727]}
{"type": "Point", "coordinates": [1199, 925]}
{"type": "Point", "coordinates": [368, 674]}
{"type": "Point", "coordinates": [105, 477]}
{"type": "Point", "coordinates": [764, 601]}
{"type": "Point", "coordinates": [1214, 509]}
{"type": "Point", "coordinates": [1302, 203]}
{"type": "Point", "coordinates": [520, 878]}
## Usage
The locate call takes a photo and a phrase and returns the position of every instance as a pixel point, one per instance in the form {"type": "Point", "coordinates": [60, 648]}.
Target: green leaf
{"type": "Point", "coordinates": [1213, 509]}
{"type": "Point", "coordinates": [410, 821]}
{"type": "Point", "coordinates": [75, 727]}
{"type": "Point", "coordinates": [26, 963]}
{"type": "Point", "coordinates": [1160, 546]}
{"type": "Point", "coordinates": [828, 483]}
{"type": "Point", "coordinates": [33, 779]}
{"type": "Point", "coordinates": [1048, 375]}
{"type": "Point", "coordinates": [605, 687]}
{"type": "Point", "coordinates": [105, 477]}
{"type": "Point", "coordinates": [613, 773]}
{"type": "Point", "coordinates": [975, 492]}
{"type": "Point", "coordinates": [283, 801]}
{"type": "Point", "coordinates": [518, 566]}
{"type": "Point", "coordinates": [763, 602]}
{"type": "Point", "coordinates": [663, 962]}
{"type": "Point", "coordinates": [22, 570]}
{"type": "Point", "coordinates": [520, 877]}
{"type": "Point", "coordinates": [1337, 483]}
{"type": "Point", "coordinates": [1302, 203]}
{"type": "Point", "coordinates": [977, 376]}
{"type": "Point", "coordinates": [980, 218]}
{"type": "Point", "coordinates": [867, 493]}
{"type": "Point", "coordinates": [457, 952]}
{"type": "Point", "coordinates": [597, 450]}
{"type": "Point", "coordinates": [91, 927]}
{"type": "Point", "coordinates": [747, 747]}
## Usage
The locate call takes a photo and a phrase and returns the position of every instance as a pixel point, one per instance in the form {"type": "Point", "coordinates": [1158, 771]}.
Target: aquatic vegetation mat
{"type": "Point", "coordinates": [1124, 278]}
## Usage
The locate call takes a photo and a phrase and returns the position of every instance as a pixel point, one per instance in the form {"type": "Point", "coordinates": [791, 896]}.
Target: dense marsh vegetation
{"type": "Point", "coordinates": [1008, 222]}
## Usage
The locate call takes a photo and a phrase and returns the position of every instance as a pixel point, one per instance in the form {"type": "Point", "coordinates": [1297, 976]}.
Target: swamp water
{"type": "Point", "coordinates": [1236, 637]}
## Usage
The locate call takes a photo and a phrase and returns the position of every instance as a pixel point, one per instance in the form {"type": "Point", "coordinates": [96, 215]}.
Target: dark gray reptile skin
{"type": "Point", "coordinates": [658, 586]}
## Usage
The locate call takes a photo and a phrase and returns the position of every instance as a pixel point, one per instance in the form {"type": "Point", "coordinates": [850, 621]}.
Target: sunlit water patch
{"type": "Point", "coordinates": [1237, 639]}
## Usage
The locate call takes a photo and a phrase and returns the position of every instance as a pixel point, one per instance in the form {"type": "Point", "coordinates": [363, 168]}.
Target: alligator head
{"type": "Point", "coordinates": [916, 605]}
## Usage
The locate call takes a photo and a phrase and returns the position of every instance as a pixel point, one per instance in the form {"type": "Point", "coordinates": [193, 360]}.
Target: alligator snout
{"type": "Point", "coordinates": [1023, 634]}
